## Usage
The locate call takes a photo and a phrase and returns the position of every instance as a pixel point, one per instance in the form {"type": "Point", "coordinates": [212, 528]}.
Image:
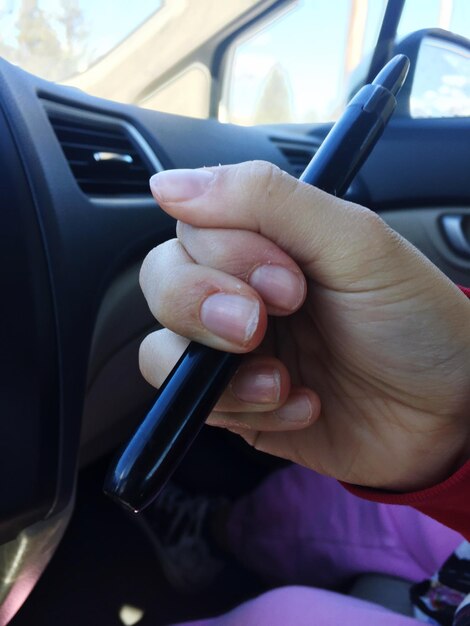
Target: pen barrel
{"type": "Point", "coordinates": [184, 401]}
{"type": "Point", "coordinates": [350, 141]}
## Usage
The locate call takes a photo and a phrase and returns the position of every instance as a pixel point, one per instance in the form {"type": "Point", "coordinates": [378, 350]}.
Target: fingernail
{"type": "Point", "coordinates": [179, 185]}
{"type": "Point", "coordinates": [258, 386]}
{"type": "Point", "coordinates": [232, 317]}
{"type": "Point", "coordinates": [278, 286]}
{"type": "Point", "coordinates": [298, 408]}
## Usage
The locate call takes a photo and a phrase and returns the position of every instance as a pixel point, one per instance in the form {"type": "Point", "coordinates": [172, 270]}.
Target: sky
{"type": "Point", "coordinates": [307, 42]}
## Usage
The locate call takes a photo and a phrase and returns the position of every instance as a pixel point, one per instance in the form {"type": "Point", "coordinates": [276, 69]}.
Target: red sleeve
{"type": "Point", "coordinates": [448, 502]}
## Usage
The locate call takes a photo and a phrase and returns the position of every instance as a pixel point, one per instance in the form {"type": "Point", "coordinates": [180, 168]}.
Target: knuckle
{"type": "Point", "coordinates": [371, 243]}
{"type": "Point", "coordinates": [144, 271]}
{"type": "Point", "coordinates": [376, 231]}
{"type": "Point", "coordinates": [370, 220]}
{"type": "Point", "coordinates": [269, 184]}
{"type": "Point", "coordinates": [182, 229]}
{"type": "Point", "coordinates": [145, 358]}
{"type": "Point", "coordinates": [151, 265]}
{"type": "Point", "coordinates": [167, 292]}
{"type": "Point", "coordinates": [178, 299]}
{"type": "Point", "coordinates": [263, 170]}
{"type": "Point", "coordinates": [362, 224]}
{"type": "Point", "coordinates": [265, 176]}
{"type": "Point", "coordinates": [187, 236]}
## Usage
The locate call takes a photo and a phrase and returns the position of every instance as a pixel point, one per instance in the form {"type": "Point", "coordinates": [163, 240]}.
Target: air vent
{"type": "Point", "coordinates": [106, 155]}
{"type": "Point", "coordinates": [297, 153]}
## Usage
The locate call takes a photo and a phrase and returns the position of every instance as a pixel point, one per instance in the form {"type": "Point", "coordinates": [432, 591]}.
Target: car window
{"type": "Point", "coordinates": [441, 85]}
{"type": "Point", "coordinates": [57, 39]}
{"type": "Point", "coordinates": [303, 66]}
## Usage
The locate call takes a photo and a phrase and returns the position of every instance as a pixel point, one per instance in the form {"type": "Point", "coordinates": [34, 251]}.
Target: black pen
{"type": "Point", "coordinates": [193, 387]}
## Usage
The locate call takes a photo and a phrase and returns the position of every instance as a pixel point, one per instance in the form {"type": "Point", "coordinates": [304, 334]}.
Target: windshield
{"type": "Point", "coordinates": [57, 39]}
{"type": "Point", "coordinates": [299, 64]}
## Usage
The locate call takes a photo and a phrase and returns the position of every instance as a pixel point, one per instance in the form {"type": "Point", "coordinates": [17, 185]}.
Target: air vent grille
{"type": "Point", "coordinates": [297, 153]}
{"type": "Point", "coordinates": [104, 157]}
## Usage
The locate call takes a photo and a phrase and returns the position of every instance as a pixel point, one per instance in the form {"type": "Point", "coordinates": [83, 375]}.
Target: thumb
{"type": "Point", "coordinates": [332, 240]}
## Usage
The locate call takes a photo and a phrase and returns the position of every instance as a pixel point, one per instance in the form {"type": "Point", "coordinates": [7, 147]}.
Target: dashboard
{"type": "Point", "coordinates": [77, 218]}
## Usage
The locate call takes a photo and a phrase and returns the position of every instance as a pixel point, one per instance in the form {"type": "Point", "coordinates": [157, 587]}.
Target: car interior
{"type": "Point", "coordinates": [77, 219]}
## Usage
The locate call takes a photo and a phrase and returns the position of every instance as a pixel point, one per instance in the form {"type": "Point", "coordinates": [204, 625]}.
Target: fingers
{"type": "Point", "coordinates": [321, 233]}
{"type": "Point", "coordinates": [259, 397]}
{"type": "Point", "coordinates": [159, 353]}
{"type": "Point", "coordinates": [261, 383]}
{"type": "Point", "coordinates": [301, 409]}
{"type": "Point", "coordinates": [252, 258]}
{"type": "Point", "coordinates": [202, 303]}
{"type": "Point", "coordinates": [214, 305]}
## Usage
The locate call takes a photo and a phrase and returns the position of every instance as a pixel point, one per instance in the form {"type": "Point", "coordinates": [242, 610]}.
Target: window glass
{"type": "Point", "coordinates": [453, 15]}
{"type": "Point", "coordinates": [302, 66]}
{"type": "Point", "coordinates": [441, 85]}
{"type": "Point", "coordinates": [56, 39]}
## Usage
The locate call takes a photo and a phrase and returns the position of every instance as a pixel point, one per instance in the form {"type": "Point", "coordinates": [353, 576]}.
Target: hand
{"type": "Point", "coordinates": [362, 371]}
